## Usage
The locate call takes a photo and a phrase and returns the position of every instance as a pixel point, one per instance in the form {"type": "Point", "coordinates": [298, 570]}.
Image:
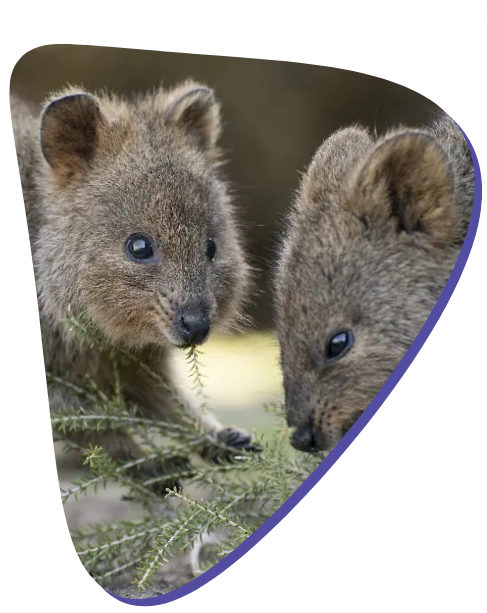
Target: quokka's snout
{"type": "Point", "coordinates": [308, 438]}
{"type": "Point", "coordinates": [192, 324]}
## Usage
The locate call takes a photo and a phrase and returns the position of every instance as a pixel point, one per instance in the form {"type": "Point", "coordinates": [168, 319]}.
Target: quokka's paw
{"type": "Point", "coordinates": [158, 477]}
{"type": "Point", "coordinates": [235, 439]}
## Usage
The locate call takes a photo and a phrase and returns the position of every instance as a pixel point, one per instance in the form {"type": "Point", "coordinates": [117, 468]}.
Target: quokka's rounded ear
{"type": "Point", "coordinates": [332, 161]}
{"type": "Point", "coordinates": [194, 109]}
{"type": "Point", "coordinates": [70, 129]}
{"type": "Point", "coordinates": [406, 184]}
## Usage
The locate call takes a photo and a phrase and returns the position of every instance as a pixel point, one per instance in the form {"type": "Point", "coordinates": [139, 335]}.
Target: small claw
{"type": "Point", "coordinates": [238, 439]}
{"type": "Point", "coordinates": [254, 447]}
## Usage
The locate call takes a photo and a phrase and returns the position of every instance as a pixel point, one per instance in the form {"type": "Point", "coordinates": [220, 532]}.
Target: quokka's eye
{"type": "Point", "coordinates": [338, 344]}
{"type": "Point", "coordinates": [139, 247]}
{"type": "Point", "coordinates": [211, 250]}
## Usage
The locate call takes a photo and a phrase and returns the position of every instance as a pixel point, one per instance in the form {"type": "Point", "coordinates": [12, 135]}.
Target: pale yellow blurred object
{"type": "Point", "coordinates": [240, 374]}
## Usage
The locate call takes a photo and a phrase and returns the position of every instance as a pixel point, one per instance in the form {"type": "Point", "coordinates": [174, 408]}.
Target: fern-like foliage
{"type": "Point", "coordinates": [239, 493]}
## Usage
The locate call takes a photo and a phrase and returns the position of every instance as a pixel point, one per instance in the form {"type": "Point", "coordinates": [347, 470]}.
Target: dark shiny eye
{"type": "Point", "coordinates": [139, 247]}
{"type": "Point", "coordinates": [211, 250]}
{"type": "Point", "coordinates": [338, 344]}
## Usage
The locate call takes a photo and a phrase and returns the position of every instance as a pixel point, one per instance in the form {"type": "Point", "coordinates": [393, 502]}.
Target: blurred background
{"type": "Point", "coordinates": [276, 114]}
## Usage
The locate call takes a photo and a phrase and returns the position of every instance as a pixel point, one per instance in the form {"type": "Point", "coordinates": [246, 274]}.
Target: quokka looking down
{"type": "Point", "coordinates": [130, 222]}
{"type": "Point", "coordinates": [375, 231]}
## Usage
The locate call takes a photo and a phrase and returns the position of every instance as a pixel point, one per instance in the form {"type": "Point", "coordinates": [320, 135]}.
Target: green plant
{"type": "Point", "coordinates": [235, 494]}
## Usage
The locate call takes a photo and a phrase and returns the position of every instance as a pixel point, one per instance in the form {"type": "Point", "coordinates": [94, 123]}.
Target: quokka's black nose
{"type": "Point", "coordinates": [193, 326]}
{"type": "Point", "coordinates": [307, 439]}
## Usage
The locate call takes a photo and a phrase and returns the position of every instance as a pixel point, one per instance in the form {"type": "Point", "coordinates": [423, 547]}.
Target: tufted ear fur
{"type": "Point", "coordinates": [331, 163]}
{"type": "Point", "coordinates": [406, 184]}
{"type": "Point", "coordinates": [194, 109]}
{"type": "Point", "coordinates": [70, 131]}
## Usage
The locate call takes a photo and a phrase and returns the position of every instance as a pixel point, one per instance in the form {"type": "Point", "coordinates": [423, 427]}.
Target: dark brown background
{"type": "Point", "coordinates": [276, 115]}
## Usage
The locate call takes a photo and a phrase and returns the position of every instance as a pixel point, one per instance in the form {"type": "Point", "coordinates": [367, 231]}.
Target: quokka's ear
{"type": "Point", "coordinates": [70, 130]}
{"type": "Point", "coordinates": [194, 109]}
{"type": "Point", "coordinates": [333, 160]}
{"type": "Point", "coordinates": [406, 184]}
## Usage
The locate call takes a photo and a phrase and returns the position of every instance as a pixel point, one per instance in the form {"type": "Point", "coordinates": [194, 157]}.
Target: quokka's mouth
{"type": "Point", "coordinates": [185, 346]}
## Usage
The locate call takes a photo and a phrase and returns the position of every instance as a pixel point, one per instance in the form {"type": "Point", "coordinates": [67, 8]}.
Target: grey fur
{"type": "Point", "coordinates": [112, 167]}
{"type": "Point", "coordinates": [373, 236]}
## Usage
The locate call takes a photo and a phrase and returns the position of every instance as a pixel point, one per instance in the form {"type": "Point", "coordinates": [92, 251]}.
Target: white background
{"type": "Point", "coordinates": [398, 524]}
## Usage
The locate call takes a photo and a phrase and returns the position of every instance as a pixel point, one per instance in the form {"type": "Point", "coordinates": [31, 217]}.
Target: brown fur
{"type": "Point", "coordinates": [96, 169]}
{"type": "Point", "coordinates": [372, 239]}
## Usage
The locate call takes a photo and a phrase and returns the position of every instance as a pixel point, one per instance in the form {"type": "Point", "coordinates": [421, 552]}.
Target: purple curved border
{"type": "Point", "coordinates": [359, 425]}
